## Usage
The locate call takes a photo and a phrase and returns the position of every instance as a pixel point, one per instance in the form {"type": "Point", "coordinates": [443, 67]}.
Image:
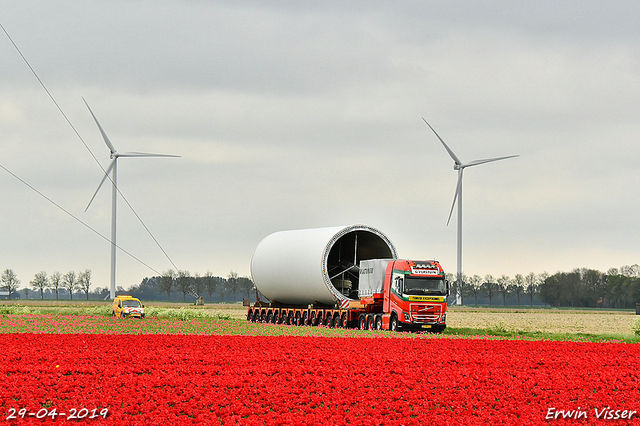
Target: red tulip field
{"type": "Point", "coordinates": [106, 377]}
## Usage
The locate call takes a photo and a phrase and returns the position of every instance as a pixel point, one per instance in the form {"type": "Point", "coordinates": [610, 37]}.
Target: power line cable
{"type": "Point", "coordinates": [87, 147]}
{"type": "Point", "coordinates": [74, 217]}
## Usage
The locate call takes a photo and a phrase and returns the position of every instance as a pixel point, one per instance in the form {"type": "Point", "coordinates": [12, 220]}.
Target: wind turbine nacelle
{"type": "Point", "coordinates": [308, 266]}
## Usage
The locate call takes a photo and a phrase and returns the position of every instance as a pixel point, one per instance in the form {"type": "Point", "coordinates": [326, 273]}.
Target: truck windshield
{"type": "Point", "coordinates": [130, 304]}
{"type": "Point", "coordinates": [424, 286]}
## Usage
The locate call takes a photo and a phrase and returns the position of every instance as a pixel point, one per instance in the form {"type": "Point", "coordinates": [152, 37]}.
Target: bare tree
{"type": "Point", "coordinates": [184, 283]}
{"type": "Point", "coordinates": [166, 282]}
{"type": "Point", "coordinates": [233, 284]}
{"type": "Point", "coordinates": [474, 286]}
{"type": "Point", "coordinates": [517, 286]}
{"type": "Point", "coordinates": [69, 282]}
{"type": "Point", "coordinates": [10, 281]}
{"type": "Point", "coordinates": [55, 282]}
{"type": "Point", "coordinates": [197, 284]}
{"type": "Point", "coordinates": [40, 281]}
{"type": "Point", "coordinates": [246, 285]}
{"type": "Point", "coordinates": [84, 281]}
{"type": "Point", "coordinates": [210, 283]}
{"type": "Point", "coordinates": [490, 287]}
{"type": "Point", "coordinates": [503, 288]}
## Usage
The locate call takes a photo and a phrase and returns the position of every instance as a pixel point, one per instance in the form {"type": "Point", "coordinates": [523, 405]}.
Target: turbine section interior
{"type": "Point", "coordinates": [316, 266]}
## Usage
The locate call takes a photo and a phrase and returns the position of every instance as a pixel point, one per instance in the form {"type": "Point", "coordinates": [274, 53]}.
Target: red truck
{"type": "Point", "coordinates": [392, 294]}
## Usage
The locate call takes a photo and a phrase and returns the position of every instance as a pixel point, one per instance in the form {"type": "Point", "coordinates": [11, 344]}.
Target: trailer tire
{"type": "Point", "coordinates": [263, 316]}
{"type": "Point", "coordinates": [337, 321]}
{"type": "Point", "coordinates": [370, 322]}
{"type": "Point", "coordinates": [298, 319]}
{"type": "Point", "coordinates": [362, 322]}
{"type": "Point", "coordinates": [378, 322]}
{"type": "Point", "coordinates": [270, 319]}
{"type": "Point", "coordinates": [330, 321]}
{"type": "Point", "coordinates": [393, 323]}
{"type": "Point", "coordinates": [342, 321]}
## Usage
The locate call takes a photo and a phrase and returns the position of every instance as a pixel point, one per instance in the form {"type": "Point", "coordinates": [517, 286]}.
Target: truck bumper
{"type": "Point", "coordinates": [431, 328]}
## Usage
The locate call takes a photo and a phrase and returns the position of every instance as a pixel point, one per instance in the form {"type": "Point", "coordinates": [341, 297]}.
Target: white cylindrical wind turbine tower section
{"type": "Point", "coordinates": [316, 266]}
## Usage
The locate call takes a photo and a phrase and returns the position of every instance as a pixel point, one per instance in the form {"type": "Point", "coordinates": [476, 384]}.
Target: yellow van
{"type": "Point", "coordinates": [127, 307]}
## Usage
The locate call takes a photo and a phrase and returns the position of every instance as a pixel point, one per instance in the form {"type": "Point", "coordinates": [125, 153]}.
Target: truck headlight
{"type": "Point", "coordinates": [407, 318]}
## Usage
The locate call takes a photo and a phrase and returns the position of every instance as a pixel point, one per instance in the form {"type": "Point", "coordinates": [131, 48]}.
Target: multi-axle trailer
{"type": "Point", "coordinates": [358, 283]}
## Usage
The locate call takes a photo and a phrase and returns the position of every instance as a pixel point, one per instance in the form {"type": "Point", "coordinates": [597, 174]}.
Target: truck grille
{"type": "Point", "coordinates": [424, 312]}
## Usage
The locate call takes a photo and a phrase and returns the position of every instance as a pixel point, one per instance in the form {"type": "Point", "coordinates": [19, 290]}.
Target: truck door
{"type": "Point", "coordinates": [394, 281]}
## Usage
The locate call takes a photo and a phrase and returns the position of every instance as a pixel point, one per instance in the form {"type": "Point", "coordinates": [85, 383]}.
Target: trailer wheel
{"type": "Point", "coordinates": [370, 322]}
{"type": "Point", "coordinates": [362, 322]}
{"type": "Point", "coordinates": [337, 321]}
{"type": "Point", "coordinates": [289, 318]}
{"type": "Point", "coordinates": [393, 323]}
{"type": "Point", "coordinates": [263, 316]}
{"type": "Point", "coordinates": [305, 319]}
{"type": "Point", "coordinates": [342, 321]}
{"type": "Point", "coordinates": [378, 322]}
{"type": "Point", "coordinates": [297, 320]}
{"type": "Point", "coordinates": [270, 317]}
{"type": "Point", "coordinates": [330, 323]}
{"type": "Point", "coordinates": [256, 315]}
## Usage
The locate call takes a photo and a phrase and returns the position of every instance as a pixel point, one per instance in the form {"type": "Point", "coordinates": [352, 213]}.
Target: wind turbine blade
{"type": "Point", "coordinates": [145, 154]}
{"type": "Point", "coordinates": [104, 135]}
{"type": "Point", "coordinates": [451, 154]}
{"type": "Point", "coordinates": [455, 196]}
{"type": "Point", "coordinates": [487, 160]}
{"type": "Point", "coordinates": [106, 174]}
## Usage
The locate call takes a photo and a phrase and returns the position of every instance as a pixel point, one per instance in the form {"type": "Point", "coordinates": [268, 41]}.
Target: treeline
{"type": "Point", "coordinates": [617, 288]}
{"type": "Point", "coordinates": [519, 290]}
{"type": "Point", "coordinates": [56, 284]}
{"type": "Point", "coordinates": [182, 284]}
{"type": "Point", "coordinates": [171, 285]}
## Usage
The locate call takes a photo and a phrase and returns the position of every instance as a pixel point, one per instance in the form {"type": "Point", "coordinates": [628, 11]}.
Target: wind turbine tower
{"type": "Point", "coordinates": [113, 169]}
{"type": "Point", "coordinates": [459, 166]}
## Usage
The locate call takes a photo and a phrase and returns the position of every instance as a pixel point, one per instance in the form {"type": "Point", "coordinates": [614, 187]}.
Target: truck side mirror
{"type": "Point", "coordinates": [448, 288]}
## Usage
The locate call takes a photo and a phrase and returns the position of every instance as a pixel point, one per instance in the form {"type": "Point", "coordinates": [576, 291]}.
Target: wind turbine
{"type": "Point", "coordinates": [459, 166]}
{"type": "Point", "coordinates": [113, 168]}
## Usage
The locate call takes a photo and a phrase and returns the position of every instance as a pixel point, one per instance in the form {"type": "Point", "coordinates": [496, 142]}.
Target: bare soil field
{"type": "Point", "coordinates": [544, 320]}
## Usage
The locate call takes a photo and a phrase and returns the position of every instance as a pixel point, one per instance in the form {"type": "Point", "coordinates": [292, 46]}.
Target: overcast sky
{"type": "Point", "coordinates": [290, 114]}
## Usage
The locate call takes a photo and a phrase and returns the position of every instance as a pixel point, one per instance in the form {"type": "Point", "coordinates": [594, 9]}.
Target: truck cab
{"type": "Point", "coordinates": [415, 297]}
